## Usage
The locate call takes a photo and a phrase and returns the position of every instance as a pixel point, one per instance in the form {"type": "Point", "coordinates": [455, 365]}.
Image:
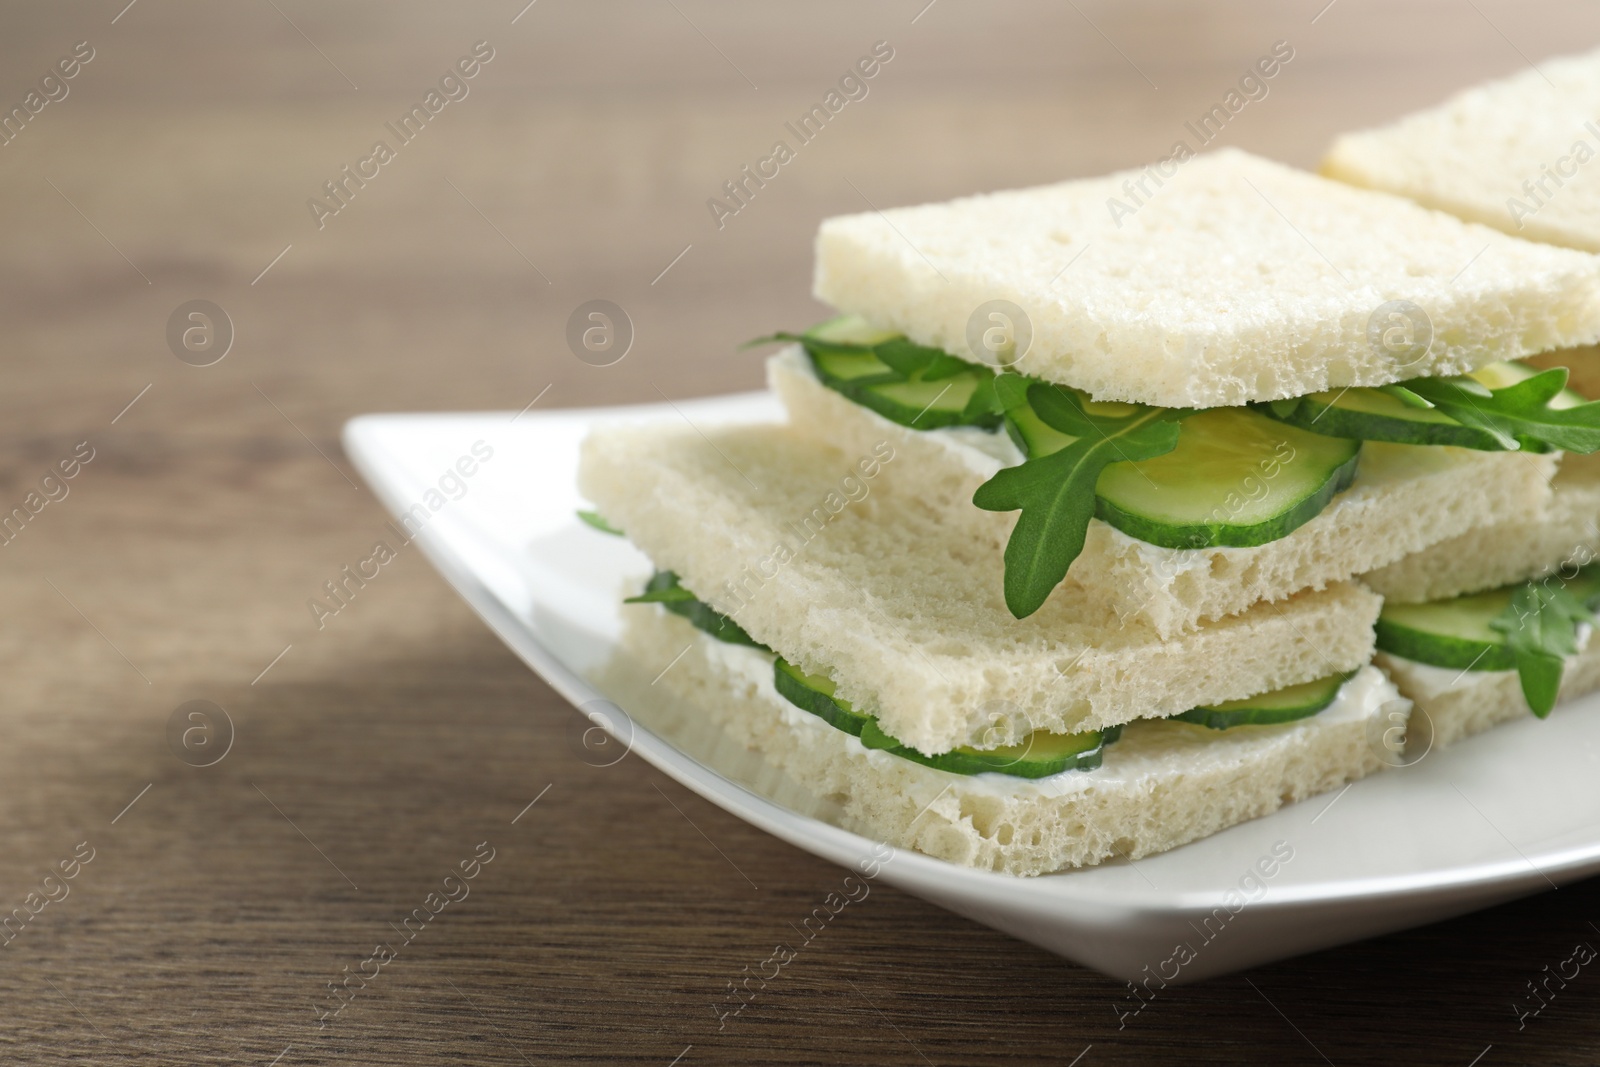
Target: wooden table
{"type": "Point", "coordinates": [372, 756]}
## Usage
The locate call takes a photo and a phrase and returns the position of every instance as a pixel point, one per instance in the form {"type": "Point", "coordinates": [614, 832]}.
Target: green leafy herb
{"type": "Point", "coordinates": [782, 336]}
{"type": "Point", "coordinates": [598, 521]}
{"type": "Point", "coordinates": [1056, 492]}
{"type": "Point", "coordinates": [914, 362]}
{"type": "Point", "coordinates": [664, 589]}
{"type": "Point", "coordinates": [1518, 416]}
{"type": "Point", "coordinates": [1541, 627]}
{"type": "Point", "coordinates": [914, 385]}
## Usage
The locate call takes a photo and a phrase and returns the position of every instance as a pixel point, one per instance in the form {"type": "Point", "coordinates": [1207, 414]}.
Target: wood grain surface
{"type": "Point", "coordinates": [374, 755]}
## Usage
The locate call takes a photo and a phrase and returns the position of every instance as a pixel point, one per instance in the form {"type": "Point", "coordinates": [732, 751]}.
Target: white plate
{"type": "Point", "coordinates": [1503, 815]}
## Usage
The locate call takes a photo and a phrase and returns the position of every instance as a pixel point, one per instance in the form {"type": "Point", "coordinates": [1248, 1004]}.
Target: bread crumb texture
{"type": "Point", "coordinates": [1403, 500]}
{"type": "Point", "coordinates": [1452, 705]}
{"type": "Point", "coordinates": [1518, 154]}
{"type": "Point", "coordinates": [1237, 279]}
{"type": "Point", "coordinates": [1564, 534]}
{"type": "Point", "coordinates": [1163, 785]}
{"type": "Point", "coordinates": [874, 585]}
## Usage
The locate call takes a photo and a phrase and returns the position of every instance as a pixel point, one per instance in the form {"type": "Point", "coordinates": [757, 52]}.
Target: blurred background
{"type": "Point", "coordinates": [376, 751]}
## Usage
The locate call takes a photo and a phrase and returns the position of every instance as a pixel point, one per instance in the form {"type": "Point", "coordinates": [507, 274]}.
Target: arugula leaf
{"type": "Point", "coordinates": [1055, 492]}
{"type": "Point", "coordinates": [860, 371]}
{"type": "Point", "coordinates": [784, 336]}
{"type": "Point", "coordinates": [914, 361]}
{"type": "Point", "coordinates": [1541, 628]}
{"type": "Point", "coordinates": [1517, 416]}
{"type": "Point", "coordinates": [664, 589]}
{"type": "Point", "coordinates": [598, 521]}
{"type": "Point", "coordinates": [1405, 396]}
{"type": "Point", "coordinates": [672, 594]}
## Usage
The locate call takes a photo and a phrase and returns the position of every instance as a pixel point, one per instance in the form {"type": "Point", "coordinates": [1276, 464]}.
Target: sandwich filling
{"type": "Point", "coordinates": [1015, 752]}
{"type": "Point", "coordinates": [1177, 478]}
{"type": "Point", "coordinates": [1533, 628]}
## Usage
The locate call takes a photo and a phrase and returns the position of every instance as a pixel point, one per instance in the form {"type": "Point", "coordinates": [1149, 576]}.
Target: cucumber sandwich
{"type": "Point", "coordinates": [1055, 558]}
{"type": "Point", "coordinates": [1495, 623]}
{"type": "Point", "coordinates": [1260, 382]}
{"type": "Point", "coordinates": [1480, 659]}
{"type": "Point", "coordinates": [1511, 154]}
{"type": "Point", "coordinates": [829, 618]}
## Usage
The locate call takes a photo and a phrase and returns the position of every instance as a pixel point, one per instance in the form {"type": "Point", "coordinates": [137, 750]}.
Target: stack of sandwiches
{"type": "Point", "coordinates": [1091, 533]}
{"type": "Point", "coordinates": [1515, 155]}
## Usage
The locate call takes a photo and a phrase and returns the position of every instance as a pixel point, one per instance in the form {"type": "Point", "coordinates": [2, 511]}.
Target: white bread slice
{"type": "Point", "coordinates": [1162, 785]}
{"type": "Point", "coordinates": [1238, 279]}
{"type": "Point", "coordinates": [1404, 499]}
{"type": "Point", "coordinates": [1472, 154]}
{"type": "Point", "coordinates": [1566, 535]}
{"type": "Point", "coordinates": [904, 607]}
{"type": "Point", "coordinates": [1453, 704]}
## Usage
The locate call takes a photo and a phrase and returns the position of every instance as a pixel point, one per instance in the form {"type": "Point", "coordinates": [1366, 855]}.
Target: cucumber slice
{"type": "Point", "coordinates": [1032, 436]}
{"type": "Point", "coordinates": [664, 589]}
{"type": "Point", "coordinates": [1377, 415]}
{"type": "Point", "coordinates": [839, 368]}
{"type": "Point", "coordinates": [1456, 633]}
{"type": "Point", "coordinates": [1279, 706]}
{"type": "Point", "coordinates": [849, 330]}
{"type": "Point", "coordinates": [814, 693]}
{"type": "Point", "coordinates": [1038, 756]}
{"type": "Point", "coordinates": [922, 405]}
{"type": "Point", "coordinates": [1237, 478]}
{"type": "Point", "coordinates": [906, 383]}
{"type": "Point", "coordinates": [1374, 415]}
{"type": "Point", "coordinates": [1451, 633]}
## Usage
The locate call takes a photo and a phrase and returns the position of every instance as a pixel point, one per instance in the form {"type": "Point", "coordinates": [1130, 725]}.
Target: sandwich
{"type": "Point", "coordinates": [1213, 411]}
{"type": "Point", "coordinates": [1513, 154]}
{"type": "Point", "coordinates": [876, 664]}
{"type": "Point", "coordinates": [1493, 624]}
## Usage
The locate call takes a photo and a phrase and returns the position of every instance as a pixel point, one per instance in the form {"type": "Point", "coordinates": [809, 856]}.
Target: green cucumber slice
{"type": "Point", "coordinates": [1452, 633]}
{"type": "Point", "coordinates": [921, 405]}
{"type": "Point", "coordinates": [840, 368]}
{"type": "Point", "coordinates": [1279, 706]}
{"type": "Point", "coordinates": [907, 383]}
{"type": "Point", "coordinates": [814, 693]}
{"type": "Point", "coordinates": [664, 589]}
{"type": "Point", "coordinates": [1458, 633]}
{"type": "Point", "coordinates": [1029, 432]}
{"type": "Point", "coordinates": [1038, 756]}
{"type": "Point", "coordinates": [1033, 437]}
{"type": "Point", "coordinates": [1374, 415]}
{"type": "Point", "coordinates": [1379, 415]}
{"type": "Point", "coordinates": [849, 330]}
{"type": "Point", "coordinates": [1237, 478]}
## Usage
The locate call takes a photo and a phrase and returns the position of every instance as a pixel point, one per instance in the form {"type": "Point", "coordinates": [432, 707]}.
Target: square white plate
{"type": "Point", "coordinates": [1502, 815]}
